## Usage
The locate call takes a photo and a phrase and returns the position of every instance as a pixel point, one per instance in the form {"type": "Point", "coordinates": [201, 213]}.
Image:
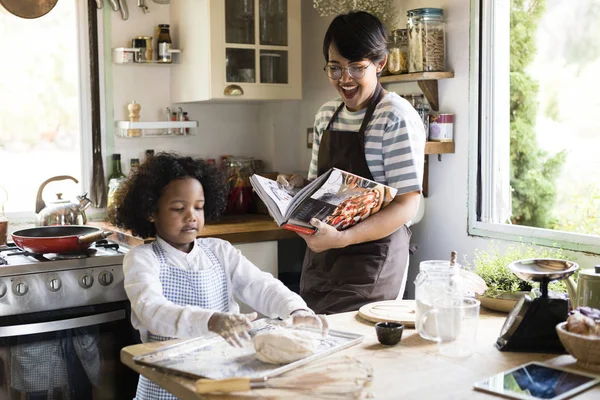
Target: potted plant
{"type": "Point", "coordinates": [504, 287]}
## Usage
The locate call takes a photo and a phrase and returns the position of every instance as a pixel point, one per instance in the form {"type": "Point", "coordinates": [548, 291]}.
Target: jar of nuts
{"type": "Point", "coordinates": [426, 40]}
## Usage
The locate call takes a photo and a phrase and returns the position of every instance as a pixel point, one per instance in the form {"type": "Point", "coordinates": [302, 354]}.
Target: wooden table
{"type": "Point", "coordinates": [410, 370]}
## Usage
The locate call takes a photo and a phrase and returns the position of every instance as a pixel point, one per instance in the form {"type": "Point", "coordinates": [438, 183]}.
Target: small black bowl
{"type": "Point", "coordinates": [389, 333]}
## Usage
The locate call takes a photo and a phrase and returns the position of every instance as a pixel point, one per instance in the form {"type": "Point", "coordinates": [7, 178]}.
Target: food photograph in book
{"type": "Point", "coordinates": [344, 200]}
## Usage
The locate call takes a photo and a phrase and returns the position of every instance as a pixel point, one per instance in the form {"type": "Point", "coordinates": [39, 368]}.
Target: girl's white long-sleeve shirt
{"type": "Point", "coordinates": [152, 311]}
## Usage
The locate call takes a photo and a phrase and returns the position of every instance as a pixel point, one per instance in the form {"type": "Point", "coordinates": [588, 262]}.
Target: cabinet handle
{"type": "Point", "coordinates": [233, 90]}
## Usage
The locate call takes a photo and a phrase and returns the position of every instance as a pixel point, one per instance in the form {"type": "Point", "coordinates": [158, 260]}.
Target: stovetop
{"type": "Point", "coordinates": [14, 261]}
{"type": "Point", "coordinates": [46, 282]}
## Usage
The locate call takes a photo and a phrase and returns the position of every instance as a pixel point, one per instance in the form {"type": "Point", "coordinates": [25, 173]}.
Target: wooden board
{"type": "Point", "coordinates": [402, 311]}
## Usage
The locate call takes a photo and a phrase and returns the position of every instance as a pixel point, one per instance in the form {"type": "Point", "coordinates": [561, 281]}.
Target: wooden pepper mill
{"type": "Point", "coordinates": [134, 116]}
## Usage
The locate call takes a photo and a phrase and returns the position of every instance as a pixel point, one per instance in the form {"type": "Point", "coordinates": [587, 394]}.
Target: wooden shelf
{"type": "Point", "coordinates": [427, 81]}
{"type": "Point", "coordinates": [439, 147]}
{"type": "Point", "coordinates": [417, 76]}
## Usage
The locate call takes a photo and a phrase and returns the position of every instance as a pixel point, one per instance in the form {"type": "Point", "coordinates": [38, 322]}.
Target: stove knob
{"type": "Point", "coordinates": [86, 281]}
{"type": "Point", "coordinates": [54, 284]}
{"type": "Point", "coordinates": [105, 278]}
{"type": "Point", "coordinates": [3, 289]}
{"type": "Point", "coordinates": [20, 288]}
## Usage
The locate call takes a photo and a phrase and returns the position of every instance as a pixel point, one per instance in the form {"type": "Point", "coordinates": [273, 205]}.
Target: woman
{"type": "Point", "coordinates": [375, 134]}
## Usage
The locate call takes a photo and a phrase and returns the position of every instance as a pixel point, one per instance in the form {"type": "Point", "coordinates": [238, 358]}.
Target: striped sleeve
{"type": "Point", "coordinates": [321, 120]}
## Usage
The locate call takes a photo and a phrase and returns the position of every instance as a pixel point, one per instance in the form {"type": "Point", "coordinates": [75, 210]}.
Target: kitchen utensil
{"type": "Point", "coordinates": [58, 239]}
{"type": "Point", "coordinates": [60, 212]}
{"type": "Point", "coordinates": [455, 322]}
{"type": "Point", "coordinates": [124, 9]}
{"type": "Point", "coordinates": [340, 377]}
{"type": "Point", "coordinates": [530, 326]}
{"type": "Point", "coordinates": [236, 362]}
{"type": "Point", "coordinates": [28, 8]}
{"type": "Point", "coordinates": [586, 349]}
{"type": "Point", "coordinates": [143, 6]}
{"type": "Point", "coordinates": [99, 4]}
{"type": "Point", "coordinates": [400, 311]}
{"type": "Point", "coordinates": [162, 1]}
{"type": "Point", "coordinates": [114, 4]}
{"type": "Point", "coordinates": [586, 292]}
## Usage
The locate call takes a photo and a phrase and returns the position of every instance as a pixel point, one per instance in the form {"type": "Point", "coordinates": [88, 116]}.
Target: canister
{"type": "Point", "coordinates": [144, 44]}
{"type": "Point", "coordinates": [123, 55]}
{"type": "Point", "coordinates": [398, 52]}
{"type": "Point", "coordinates": [426, 39]}
{"type": "Point", "coordinates": [441, 127]}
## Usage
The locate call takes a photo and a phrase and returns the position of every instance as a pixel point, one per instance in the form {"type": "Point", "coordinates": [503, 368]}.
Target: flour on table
{"type": "Point", "coordinates": [283, 346]}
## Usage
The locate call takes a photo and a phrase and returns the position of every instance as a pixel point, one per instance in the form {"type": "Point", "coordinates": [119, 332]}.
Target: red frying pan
{"type": "Point", "coordinates": [58, 239]}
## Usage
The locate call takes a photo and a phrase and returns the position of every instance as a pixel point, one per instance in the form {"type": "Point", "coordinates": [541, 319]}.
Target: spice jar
{"type": "Point", "coordinates": [238, 171]}
{"type": "Point", "coordinates": [163, 44]}
{"type": "Point", "coordinates": [426, 40]}
{"type": "Point", "coordinates": [398, 52]}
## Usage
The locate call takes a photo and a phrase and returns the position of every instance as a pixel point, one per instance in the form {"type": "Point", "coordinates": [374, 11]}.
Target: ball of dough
{"type": "Point", "coordinates": [283, 346]}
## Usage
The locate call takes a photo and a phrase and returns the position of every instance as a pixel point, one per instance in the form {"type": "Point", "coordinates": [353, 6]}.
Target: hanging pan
{"type": "Point", "coordinates": [28, 8]}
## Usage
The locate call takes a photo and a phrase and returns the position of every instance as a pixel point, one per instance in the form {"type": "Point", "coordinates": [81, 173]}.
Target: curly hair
{"type": "Point", "coordinates": [138, 199]}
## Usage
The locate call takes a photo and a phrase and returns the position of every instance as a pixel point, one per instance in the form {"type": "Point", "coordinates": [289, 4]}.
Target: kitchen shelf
{"type": "Point", "coordinates": [117, 58]}
{"type": "Point", "coordinates": [439, 147]}
{"type": "Point", "coordinates": [427, 81]}
{"type": "Point", "coordinates": [155, 128]}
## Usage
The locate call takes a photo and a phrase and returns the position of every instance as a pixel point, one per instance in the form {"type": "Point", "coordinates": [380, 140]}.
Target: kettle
{"type": "Point", "coordinates": [586, 292]}
{"type": "Point", "coordinates": [60, 211]}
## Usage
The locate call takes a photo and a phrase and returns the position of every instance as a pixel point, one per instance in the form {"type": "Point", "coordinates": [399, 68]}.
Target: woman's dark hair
{"type": "Point", "coordinates": [138, 199]}
{"type": "Point", "coordinates": [356, 35]}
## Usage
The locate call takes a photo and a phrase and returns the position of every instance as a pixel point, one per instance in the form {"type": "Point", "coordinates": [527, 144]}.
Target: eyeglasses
{"type": "Point", "coordinates": [355, 71]}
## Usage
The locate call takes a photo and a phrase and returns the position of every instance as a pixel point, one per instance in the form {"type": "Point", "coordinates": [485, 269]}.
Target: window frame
{"type": "Point", "coordinates": [85, 106]}
{"type": "Point", "coordinates": [481, 139]}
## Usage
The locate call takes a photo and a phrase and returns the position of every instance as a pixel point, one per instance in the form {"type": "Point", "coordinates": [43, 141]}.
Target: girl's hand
{"type": "Point", "coordinates": [232, 327]}
{"type": "Point", "coordinates": [326, 237]}
{"type": "Point", "coordinates": [309, 318]}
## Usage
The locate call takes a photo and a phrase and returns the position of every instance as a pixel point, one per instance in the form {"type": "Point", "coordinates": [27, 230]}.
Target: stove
{"type": "Point", "coordinates": [44, 282]}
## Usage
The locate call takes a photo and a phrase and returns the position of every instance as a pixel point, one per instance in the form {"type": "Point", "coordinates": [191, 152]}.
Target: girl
{"type": "Point", "coordinates": [377, 135]}
{"type": "Point", "coordinates": [180, 286]}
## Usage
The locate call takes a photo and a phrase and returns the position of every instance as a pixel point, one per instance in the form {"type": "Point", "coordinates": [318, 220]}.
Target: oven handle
{"type": "Point", "coordinates": [53, 326]}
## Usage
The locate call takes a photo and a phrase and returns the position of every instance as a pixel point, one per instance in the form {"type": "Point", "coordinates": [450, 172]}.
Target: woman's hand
{"type": "Point", "coordinates": [232, 327]}
{"type": "Point", "coordinates": [326, 237]}
{"type": "Point", "coordinates": [309, 318]}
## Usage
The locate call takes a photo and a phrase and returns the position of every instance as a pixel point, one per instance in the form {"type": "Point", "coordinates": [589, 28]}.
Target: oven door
{"type": "Point", "coordinates": [67, 354]}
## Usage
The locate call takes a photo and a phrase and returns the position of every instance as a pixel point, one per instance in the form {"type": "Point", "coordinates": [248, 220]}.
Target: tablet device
{"type": "Point", "coordinates": [534, 381]}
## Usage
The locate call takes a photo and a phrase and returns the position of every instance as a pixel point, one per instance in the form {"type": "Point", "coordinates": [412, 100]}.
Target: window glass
{"type": "Point", "coordinates": [550, 124]}
{"type": "Point", "coordinates": [40, 132]}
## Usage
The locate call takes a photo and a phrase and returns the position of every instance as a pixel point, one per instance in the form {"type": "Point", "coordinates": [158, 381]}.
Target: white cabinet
{"type": "Point", "coordinates": [236, 50]}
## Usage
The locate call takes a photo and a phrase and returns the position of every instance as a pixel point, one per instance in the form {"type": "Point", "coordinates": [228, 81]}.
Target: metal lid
{"type": "Point", "coordinates": [593, 273]}
{"type": "Point", "coordinates": [428, 11]}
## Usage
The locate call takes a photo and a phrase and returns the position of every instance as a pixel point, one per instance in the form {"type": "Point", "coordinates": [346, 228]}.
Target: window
{"type": "Point", "coordinates": [533, 64]}
{"type": "Point", "coordinates": [45, 105]}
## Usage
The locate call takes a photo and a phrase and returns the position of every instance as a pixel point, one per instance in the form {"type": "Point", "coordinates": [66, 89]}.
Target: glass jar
{"type": "Point", "coordinates": [238, 171]}
{"type": "Point", "coordinates": [436, 278]}
{"type": "Point", "coordinates": [398, 52]}
{"type": "Point", "coordinates": [426, 37]}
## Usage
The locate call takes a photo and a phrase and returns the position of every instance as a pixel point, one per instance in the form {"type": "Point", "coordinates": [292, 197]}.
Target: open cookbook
{"type": "Point", "coordinates": [337, 197]}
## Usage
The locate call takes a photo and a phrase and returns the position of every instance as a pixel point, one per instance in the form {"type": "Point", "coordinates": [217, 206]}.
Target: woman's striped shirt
{"type": "Point", "coordinates": [394, 140]}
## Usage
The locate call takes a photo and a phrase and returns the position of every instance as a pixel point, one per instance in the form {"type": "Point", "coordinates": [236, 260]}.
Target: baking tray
{"type": "Point", "coordinates": [212, 357]}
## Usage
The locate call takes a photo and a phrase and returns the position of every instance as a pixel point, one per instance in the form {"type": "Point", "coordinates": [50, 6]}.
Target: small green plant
{"type": "Point", "coordinates": [492, 266]}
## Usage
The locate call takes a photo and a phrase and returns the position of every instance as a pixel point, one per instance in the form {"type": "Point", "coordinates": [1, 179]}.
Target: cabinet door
{"type": "Point", "coordinates": [266, 62]}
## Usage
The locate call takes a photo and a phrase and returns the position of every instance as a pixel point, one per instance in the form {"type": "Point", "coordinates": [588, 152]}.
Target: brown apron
{"type": "Point", "coordinates": [340, 280]}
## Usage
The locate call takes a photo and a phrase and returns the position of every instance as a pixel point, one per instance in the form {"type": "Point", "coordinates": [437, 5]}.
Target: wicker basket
{"type": "Point", "coordinates": [586, 349]}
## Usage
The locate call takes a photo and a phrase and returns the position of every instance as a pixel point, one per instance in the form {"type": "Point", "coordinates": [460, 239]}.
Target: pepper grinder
{"type": "Point", "coordinates": [134, 116]}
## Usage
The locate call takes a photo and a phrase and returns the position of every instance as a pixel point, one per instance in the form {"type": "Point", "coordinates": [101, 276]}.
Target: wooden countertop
{"type": "Point", "coordinates": [410, 370]}
{"type": "Point", "coordinates": [243, 228]}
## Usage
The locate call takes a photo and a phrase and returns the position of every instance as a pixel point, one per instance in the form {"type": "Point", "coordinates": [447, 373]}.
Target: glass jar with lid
{"type": "Point", "coordinates": [426, 40]}
{"type": "Point", "coordinates": [238, 171]}
{"type": "Point", "coordinates": [398, 52]}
